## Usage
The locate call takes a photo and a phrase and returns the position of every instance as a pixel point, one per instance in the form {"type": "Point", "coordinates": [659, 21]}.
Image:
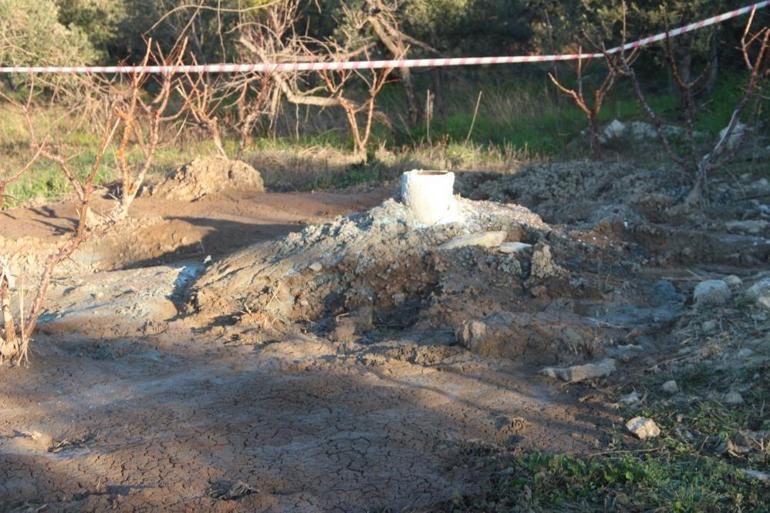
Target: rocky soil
{"type": "Point", "coordinates": [365, 362]}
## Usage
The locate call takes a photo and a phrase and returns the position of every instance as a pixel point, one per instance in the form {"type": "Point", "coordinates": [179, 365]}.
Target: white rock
{"type": "Point", "coordinates": [514, 247]}
{"type": "Point", "coordinates": [756, 474]}
{"type": "Point", "coordinates": [751, 226]}
{"type": "Point", "coordinates": [710, 326]}
{"type": "Point", "coordinates": [643, 428]}
{"type": "Point", "coordinates": [578, 373]}
{"type": "Point", "coordinates": [483, 239]}
{"type": "Point", "coordinates": [744, 353]}
{"type": "Point", "coordinates": [760, 292]}
{"type": "Point", "coordinates": [631, 398]}
{"type": "Point", "coordinates": [642, 130]}
{"type": "Point", "coordinates": [670, 387]}
{"type": "Point", "coordinates": [736, 137]}
{"type": "Point", "coordinates": [316, 267]}
{"type": "Point", "coordinates": [612, 131]}
{"type": "Point", "coordinates": [733, 281]}
{"type": "Point", "coordinates": [712, 292]}
{"type": "Point", "coordinates": [733, 398]}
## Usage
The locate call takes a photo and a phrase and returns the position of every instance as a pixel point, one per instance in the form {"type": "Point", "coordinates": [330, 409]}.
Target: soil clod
{"type": "Point", "coordinates": [229, 490]}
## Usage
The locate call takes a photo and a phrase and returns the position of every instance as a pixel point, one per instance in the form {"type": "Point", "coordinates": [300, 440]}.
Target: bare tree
{"type": "Point", "coordinates": [204, 99]}
{"type": "Point", "coordinates": [275, 40]}
{"type": "Point", "coordinates": [373, 81]}
{"type": "Point", "coordinates": [591, 109]}
{"type": "Point", "coordinates": [755, 45]}
{"type": "Point", "coordinates": [254, 99]}
{"type": "Point", "coordinates": [383, 19]}
{"type": "Point", "coordinates": [7, 176]}
{"type": "Point", "coordinates": [142, 119]}
{"type": "Point", "coordinates": [16, 334]}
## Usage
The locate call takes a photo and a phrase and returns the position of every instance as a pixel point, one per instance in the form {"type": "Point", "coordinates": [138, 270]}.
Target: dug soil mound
{"type": "Point", "coordinates": [211, 175]}
{"type": "Point", "coordinates": [578, 191]}
{"type": "Point", "coordinates": [362, 277]}
{"type": "Point", "coordinates": [641, 206]}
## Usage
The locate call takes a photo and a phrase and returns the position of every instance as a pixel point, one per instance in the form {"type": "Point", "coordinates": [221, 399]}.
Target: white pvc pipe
{"type": "Point", "coordinates": [429, 195]}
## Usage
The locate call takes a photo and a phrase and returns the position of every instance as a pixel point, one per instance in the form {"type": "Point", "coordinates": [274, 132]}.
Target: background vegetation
{"type": "Point", "coordinates": [299, 133]}
{"type": "Point", "coordinates": [490, 118]}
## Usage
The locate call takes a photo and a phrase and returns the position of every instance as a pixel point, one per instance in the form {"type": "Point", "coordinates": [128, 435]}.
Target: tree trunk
{"type": "Point", "coordinates": [713, 76]}
{"type": "Point", "coordinates": [411, 96]}
{"type": "Point", "coordinates": [593, 128]}
{"type": "Point", "coordinates": [685, 70]}
{"type": "Point", "coordinates": [697, 196]}
{"type": "Point", "coordinates": [8, 345]}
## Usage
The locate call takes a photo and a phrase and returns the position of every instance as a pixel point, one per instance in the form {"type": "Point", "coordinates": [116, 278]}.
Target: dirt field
{"type": "Point", "coordinates": [324, 363]}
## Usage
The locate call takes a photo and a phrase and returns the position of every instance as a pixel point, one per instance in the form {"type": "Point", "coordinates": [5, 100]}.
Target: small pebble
{"type": "Point", "coordinates": [709, 326]}
{"type": "Point", "coordinates": [630, 399]}
{"type": "Point", "coordinates": [513, 247]}
{"type": "Point", "coordinates": [733, 398]}
{"type": "Point", "coordinates": [670, 387]}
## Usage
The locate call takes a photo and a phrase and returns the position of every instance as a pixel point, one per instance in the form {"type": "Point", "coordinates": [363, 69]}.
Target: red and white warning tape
{"type": "Point", "coordinates": [401, 63]}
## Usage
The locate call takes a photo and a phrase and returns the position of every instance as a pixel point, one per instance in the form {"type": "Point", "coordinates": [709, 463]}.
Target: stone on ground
{"type": "Point", "coordinates": [760, 292]}
{"type": "Point", "coordinates": [494, 336]}
{"type": "Point", "coordinates": [712, 292]}
{"type": "Point", "coordinates": [751, 226]}
{"type": "Point", "coordinates": [483, 239]}
{"type": "Point", "coordinates": [736, 136]}
{"type": "Point", "coordinates": [670, 387]}
{"type": "Point", "coordinates": [613, 131]}
{"type": "Point", "coordinates": [578, 373]}
{"type": "Point", "coordinates": [631, 399]}
{"type": "Point", "coordinates": [643, 428]}
{"type": "Point", "coordinates": [514, 247]}
{"type": "Point", "coordinates": [543, 265]}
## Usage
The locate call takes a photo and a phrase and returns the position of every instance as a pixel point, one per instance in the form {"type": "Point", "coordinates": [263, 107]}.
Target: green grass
{"type": "Point", "coordinates": [696, 465]}
{"type": "Point", "coordinates": [665, 480]}
{"type": "Point", "coordinates": [687, 470]}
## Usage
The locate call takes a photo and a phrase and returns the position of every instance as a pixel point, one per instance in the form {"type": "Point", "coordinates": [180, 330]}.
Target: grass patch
{"type": "Point", "coordinates": [701, 462]}
{"type": "Point", "coordinates": [657, 481]}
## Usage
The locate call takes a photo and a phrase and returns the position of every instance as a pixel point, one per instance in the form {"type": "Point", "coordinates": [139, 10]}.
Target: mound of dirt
{"type": "Point", "coordinates": [364, 276]}
{"type": "Point", "coordinates": [639, 206]}
{"type": "Point", "coordinates": [380, 258]}
{"type": "Point", "coordinates": [210, 175]}
{"type": "Point", "coordinates": [579, 191]}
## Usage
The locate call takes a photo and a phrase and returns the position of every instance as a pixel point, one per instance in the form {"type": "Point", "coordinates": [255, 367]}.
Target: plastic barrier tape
{"type": "Point", "coordinates": [381, 64]}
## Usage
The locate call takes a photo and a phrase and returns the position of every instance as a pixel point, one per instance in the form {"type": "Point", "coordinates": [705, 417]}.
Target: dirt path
{"type": "Point", "coordinates": [166, 230]}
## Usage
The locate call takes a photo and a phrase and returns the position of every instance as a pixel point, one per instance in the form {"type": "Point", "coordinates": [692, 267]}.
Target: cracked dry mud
{"type": "Point", "coordinates": [308, 431]}
{"type": "Point", "coordinates": [350, 366]}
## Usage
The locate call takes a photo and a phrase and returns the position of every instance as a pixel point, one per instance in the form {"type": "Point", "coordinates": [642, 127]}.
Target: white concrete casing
{"type": "Point", "coordinates": [430, 196]}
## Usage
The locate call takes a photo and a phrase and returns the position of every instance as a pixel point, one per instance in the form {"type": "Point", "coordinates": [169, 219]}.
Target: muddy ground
{"type": "Point", "coordinates": [308, 358]}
